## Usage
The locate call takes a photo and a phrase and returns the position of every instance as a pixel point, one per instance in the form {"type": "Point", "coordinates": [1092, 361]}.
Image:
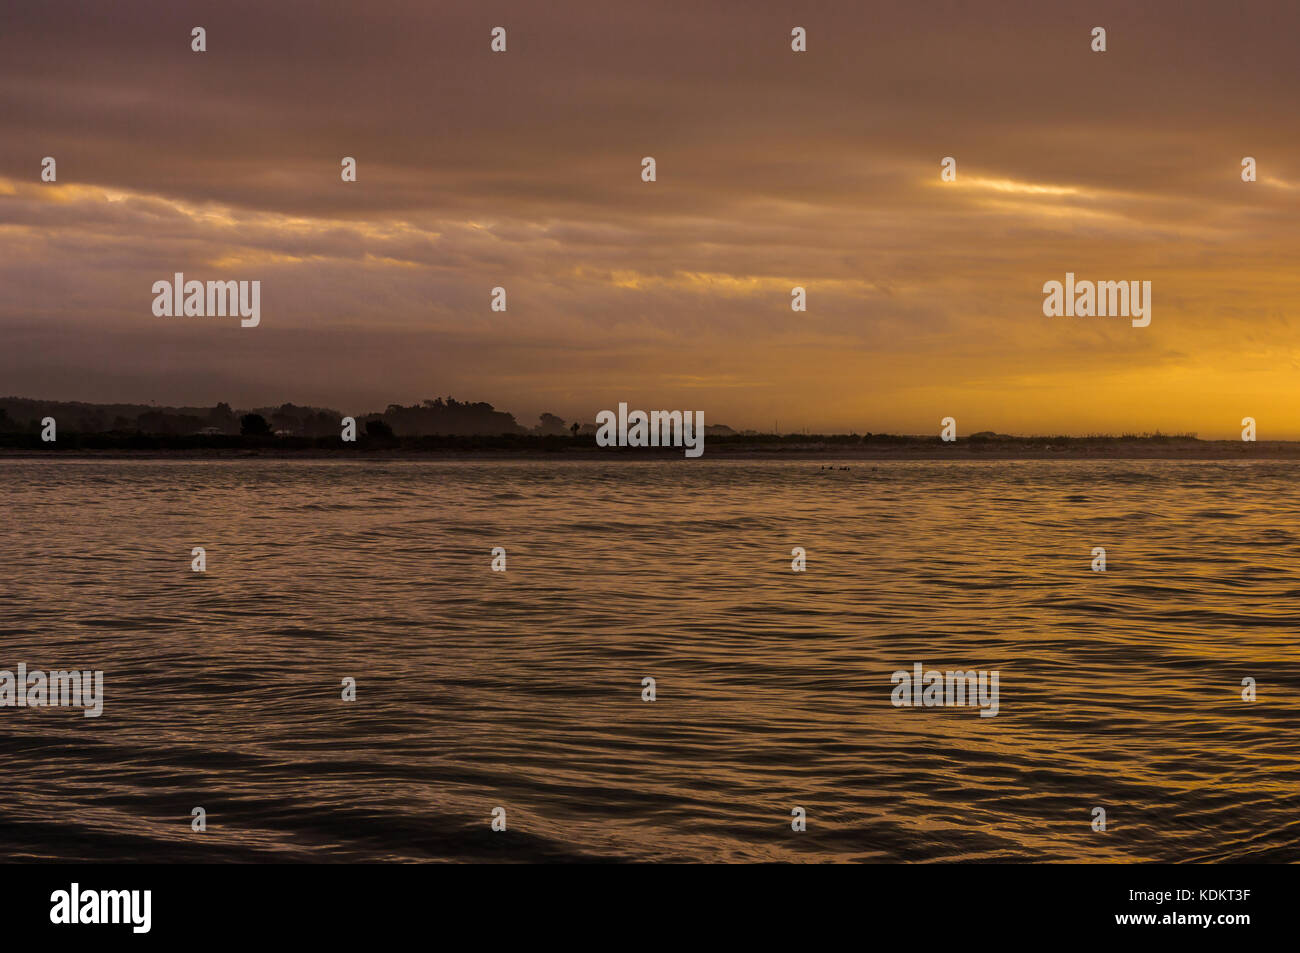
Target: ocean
{"type": "Point", "coordinates": [523, 690]}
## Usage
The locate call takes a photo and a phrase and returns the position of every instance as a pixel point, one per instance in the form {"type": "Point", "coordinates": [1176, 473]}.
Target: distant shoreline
{"type": "Point", "coordinates": [898, 448]}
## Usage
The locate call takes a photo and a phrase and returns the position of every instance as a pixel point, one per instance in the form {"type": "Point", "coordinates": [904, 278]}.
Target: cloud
{"type": "Point", "coordinates": [522, 170]}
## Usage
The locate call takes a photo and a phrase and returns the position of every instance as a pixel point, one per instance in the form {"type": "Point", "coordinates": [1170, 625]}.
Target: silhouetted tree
{"type": "Point", "coordinates": [253, 425]}
{"type": "Point", "coordinates": [378, 430]}
{"type": "Point", "coordinates": [550, 424]}
{"type": "Point", "coordinates": [449, 416]}
{"type": "Point", "coordinates": [222, 417]}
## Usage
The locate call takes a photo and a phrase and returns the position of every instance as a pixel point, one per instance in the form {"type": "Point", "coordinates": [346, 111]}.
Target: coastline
{"type": "Point", "coordinates": [1027, 449]}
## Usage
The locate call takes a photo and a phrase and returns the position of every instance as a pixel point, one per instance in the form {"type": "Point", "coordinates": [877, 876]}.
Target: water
{"type": "Point", "coordinates": [522, 689]}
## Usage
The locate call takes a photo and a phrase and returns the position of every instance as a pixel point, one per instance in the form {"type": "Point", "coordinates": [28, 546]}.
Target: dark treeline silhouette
{"type": "Point", "coordinates": [447, 424]}
{"type": "Point", "coordinates": [449, 416]}
{"type": "Point", "coordinates": [440, 416]}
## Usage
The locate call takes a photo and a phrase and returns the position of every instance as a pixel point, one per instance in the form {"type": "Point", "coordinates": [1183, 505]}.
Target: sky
{"type": "Point", "coordinates": [775, 169]}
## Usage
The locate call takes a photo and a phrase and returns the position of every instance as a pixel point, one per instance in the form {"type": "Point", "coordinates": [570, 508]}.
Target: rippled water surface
{"type": "Point", "coordinates": [522, 689]}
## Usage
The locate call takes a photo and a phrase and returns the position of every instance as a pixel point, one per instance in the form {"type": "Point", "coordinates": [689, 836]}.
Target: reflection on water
{"type": "Point", "coordinates": [523, 689]}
